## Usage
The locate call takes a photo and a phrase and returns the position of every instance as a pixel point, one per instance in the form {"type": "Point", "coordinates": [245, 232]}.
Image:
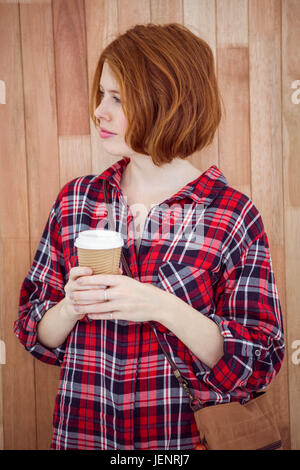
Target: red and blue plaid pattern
{"type": "Point", "coordinates": [117, 390]}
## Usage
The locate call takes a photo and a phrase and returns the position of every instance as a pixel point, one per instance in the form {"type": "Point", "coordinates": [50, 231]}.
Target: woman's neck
{"type": "Point", "coordinates": [148, 179]}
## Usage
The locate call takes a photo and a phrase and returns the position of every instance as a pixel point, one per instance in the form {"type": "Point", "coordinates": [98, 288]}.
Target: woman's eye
{"type": "Point", "coordinates": [117, 100]}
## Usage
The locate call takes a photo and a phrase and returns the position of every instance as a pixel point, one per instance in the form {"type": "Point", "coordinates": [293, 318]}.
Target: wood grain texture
{"type": "Point", "coordinates": [291, 179]}
{"type": "Point", "coordinates": [265, 113]}
{"type": "Point", "coordinates": [12, 129]}
{"type": "Point", "coordinates": [19, 417]}
{"type": "Point", "coordinates": [75, 157]}
{"type": "Point", "coordinates": [70, 66]}
{"type": "Point", "coordinates": [266, 155]}
{"type": "Point", "coordinates": [72, 89]}
{"type": "Point", "coordinates": [166, 11]}
{"type": "Point", "coordinates": [233, 75]}
{"type": "Point", "coordinates": [49, 51]}
{"type": "Point", "coordinates": [40, 112]}
{"type": "Point", "coordinates": [101, 28]}
{"type": "Point", "coordinates": [132, 13]}
{"type": "Point", "coordinates": [200, 18]}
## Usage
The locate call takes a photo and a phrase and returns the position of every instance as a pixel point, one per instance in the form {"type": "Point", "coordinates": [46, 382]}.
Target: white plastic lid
{"type": "Point", "coordinates": [99, 240]}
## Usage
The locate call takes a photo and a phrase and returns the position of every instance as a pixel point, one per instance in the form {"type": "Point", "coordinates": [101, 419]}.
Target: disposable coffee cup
{"type": "Point", "coordinates": [100, 250]}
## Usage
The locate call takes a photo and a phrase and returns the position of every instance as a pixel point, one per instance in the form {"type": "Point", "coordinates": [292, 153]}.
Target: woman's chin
{"type": "Point", "coordinates": [115, 151]}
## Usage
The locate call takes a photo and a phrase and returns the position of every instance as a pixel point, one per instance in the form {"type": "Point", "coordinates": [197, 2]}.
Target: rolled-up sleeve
{"type": "Point", "coordinates": [249, 317]}
{"type": "Point", "coordinates": [42, 288]}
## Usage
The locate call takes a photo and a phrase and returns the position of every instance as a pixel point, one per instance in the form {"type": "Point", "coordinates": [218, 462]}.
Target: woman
{"type": "Point", "coordinates": [197, 250]}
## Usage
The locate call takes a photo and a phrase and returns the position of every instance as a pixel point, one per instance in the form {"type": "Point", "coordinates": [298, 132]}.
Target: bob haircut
{"type": "Point", "coordinates": [168, 90]}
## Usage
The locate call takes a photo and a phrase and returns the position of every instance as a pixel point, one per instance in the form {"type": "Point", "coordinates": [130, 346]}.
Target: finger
{"type": "Point", "coordinates": [79, 271]}
{"type": "Point", "coordinates": [105, 316]}
{"type": "Point", "coordinates": [101, 279]}
{"type": "Point", "coordinates": [88, 296]}
{"type": "Point", "coordinates": [77, 287]}
{"type": "Point", "coordinates": [98, 308]}
{"type": "Point", "coordinates": [80, 303]}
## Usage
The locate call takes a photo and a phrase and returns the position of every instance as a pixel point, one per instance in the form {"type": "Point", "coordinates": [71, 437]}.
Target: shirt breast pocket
{"type": "Point", "coordinates": [189, 283]}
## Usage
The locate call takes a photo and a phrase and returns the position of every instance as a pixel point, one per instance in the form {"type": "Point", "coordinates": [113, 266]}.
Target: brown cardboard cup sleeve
{"type": "Point", "coordinates": [100, 250]}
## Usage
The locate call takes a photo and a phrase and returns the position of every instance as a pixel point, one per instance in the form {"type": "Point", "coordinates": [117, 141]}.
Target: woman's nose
{"type": "Point", "coordinates": [101, 112]}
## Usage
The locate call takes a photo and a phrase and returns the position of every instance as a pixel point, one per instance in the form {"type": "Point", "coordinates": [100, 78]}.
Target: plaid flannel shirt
{"type": "Point", "coordinates": [116, 389]}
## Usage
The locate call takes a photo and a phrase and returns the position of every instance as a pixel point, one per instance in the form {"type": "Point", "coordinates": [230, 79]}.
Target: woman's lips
{"type": "Point", "coordinates": [105, 134]}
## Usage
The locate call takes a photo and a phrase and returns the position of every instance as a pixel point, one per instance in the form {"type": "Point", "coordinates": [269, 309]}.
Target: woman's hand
{"type": "Point", "coordinates": [71, 292]}
{"type": "Point", "coordinates": [127, 298]}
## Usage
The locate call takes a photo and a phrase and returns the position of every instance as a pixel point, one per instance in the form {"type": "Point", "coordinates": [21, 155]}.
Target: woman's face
{"type": "Point", "coordinates": [111, 116]}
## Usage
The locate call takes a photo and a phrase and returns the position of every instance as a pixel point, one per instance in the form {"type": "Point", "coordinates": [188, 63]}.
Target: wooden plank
{"type": "Point", "coordinates": [40, 112]}
{"type": "Point", "coordinates": [132, 12]}
{"type": "Point", "coordinates": [265, 96]}
{"type": "Point", "coordinates": [200, 19]}
{"type": "Point", "coordinates": [166, 11]}
{"type": "Point", "coordinates": [75, 157]}
{"type": "Point", "coordinates": [70, 66]}
{"type": "Point", "coordinates": [266, 155]}
{"type": "Point", "coordinates": [72, 89]}
{"type": "Point", "coordinates": [291, 178]}
{"type": "Point", "coordinates": [101, 29]}
{"type": "Point", "coordinates": [12, 127]}
{"type": "Point", "coordinates": [233, 74]}
{"type": "Point", "coordinates": [43, 166]}
{"type": "Point", "coordinates": [17, 374]}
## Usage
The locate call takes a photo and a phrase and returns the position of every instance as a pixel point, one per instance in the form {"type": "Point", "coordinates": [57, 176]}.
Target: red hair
{"type": "Point", "coordinates": [168, 90]}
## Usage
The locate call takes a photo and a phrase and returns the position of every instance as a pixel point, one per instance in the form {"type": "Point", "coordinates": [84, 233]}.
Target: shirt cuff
{"type": "Point", "coordinates": [25, 328]}
{"type": "Point", "coordinates": [237, 363]}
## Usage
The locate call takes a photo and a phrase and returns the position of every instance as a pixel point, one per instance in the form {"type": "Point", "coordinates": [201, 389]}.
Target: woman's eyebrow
{"type": "Point", "coordinates": [110, 91]}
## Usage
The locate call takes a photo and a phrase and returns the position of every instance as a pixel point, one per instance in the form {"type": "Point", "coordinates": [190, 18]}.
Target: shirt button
{"type": "Point", "coordinates": [257, 352]}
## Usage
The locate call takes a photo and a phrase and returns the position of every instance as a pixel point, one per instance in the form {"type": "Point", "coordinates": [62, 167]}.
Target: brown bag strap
{"type": "Point", "coordinates": [182, 381]}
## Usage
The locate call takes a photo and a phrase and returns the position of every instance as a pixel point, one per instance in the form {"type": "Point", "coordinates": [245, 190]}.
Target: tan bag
{"type": "Point", "coordinates": [232, 426]}
{"type": "Point", "coordinates": [228, 426]}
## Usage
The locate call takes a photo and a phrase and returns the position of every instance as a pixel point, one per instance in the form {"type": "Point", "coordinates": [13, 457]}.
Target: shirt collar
{"type": "Point", "coordinates": [201, 190]}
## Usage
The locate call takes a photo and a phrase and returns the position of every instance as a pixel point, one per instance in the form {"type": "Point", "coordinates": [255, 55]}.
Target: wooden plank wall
{"type": "Point", "coordinates": [48, 52]}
